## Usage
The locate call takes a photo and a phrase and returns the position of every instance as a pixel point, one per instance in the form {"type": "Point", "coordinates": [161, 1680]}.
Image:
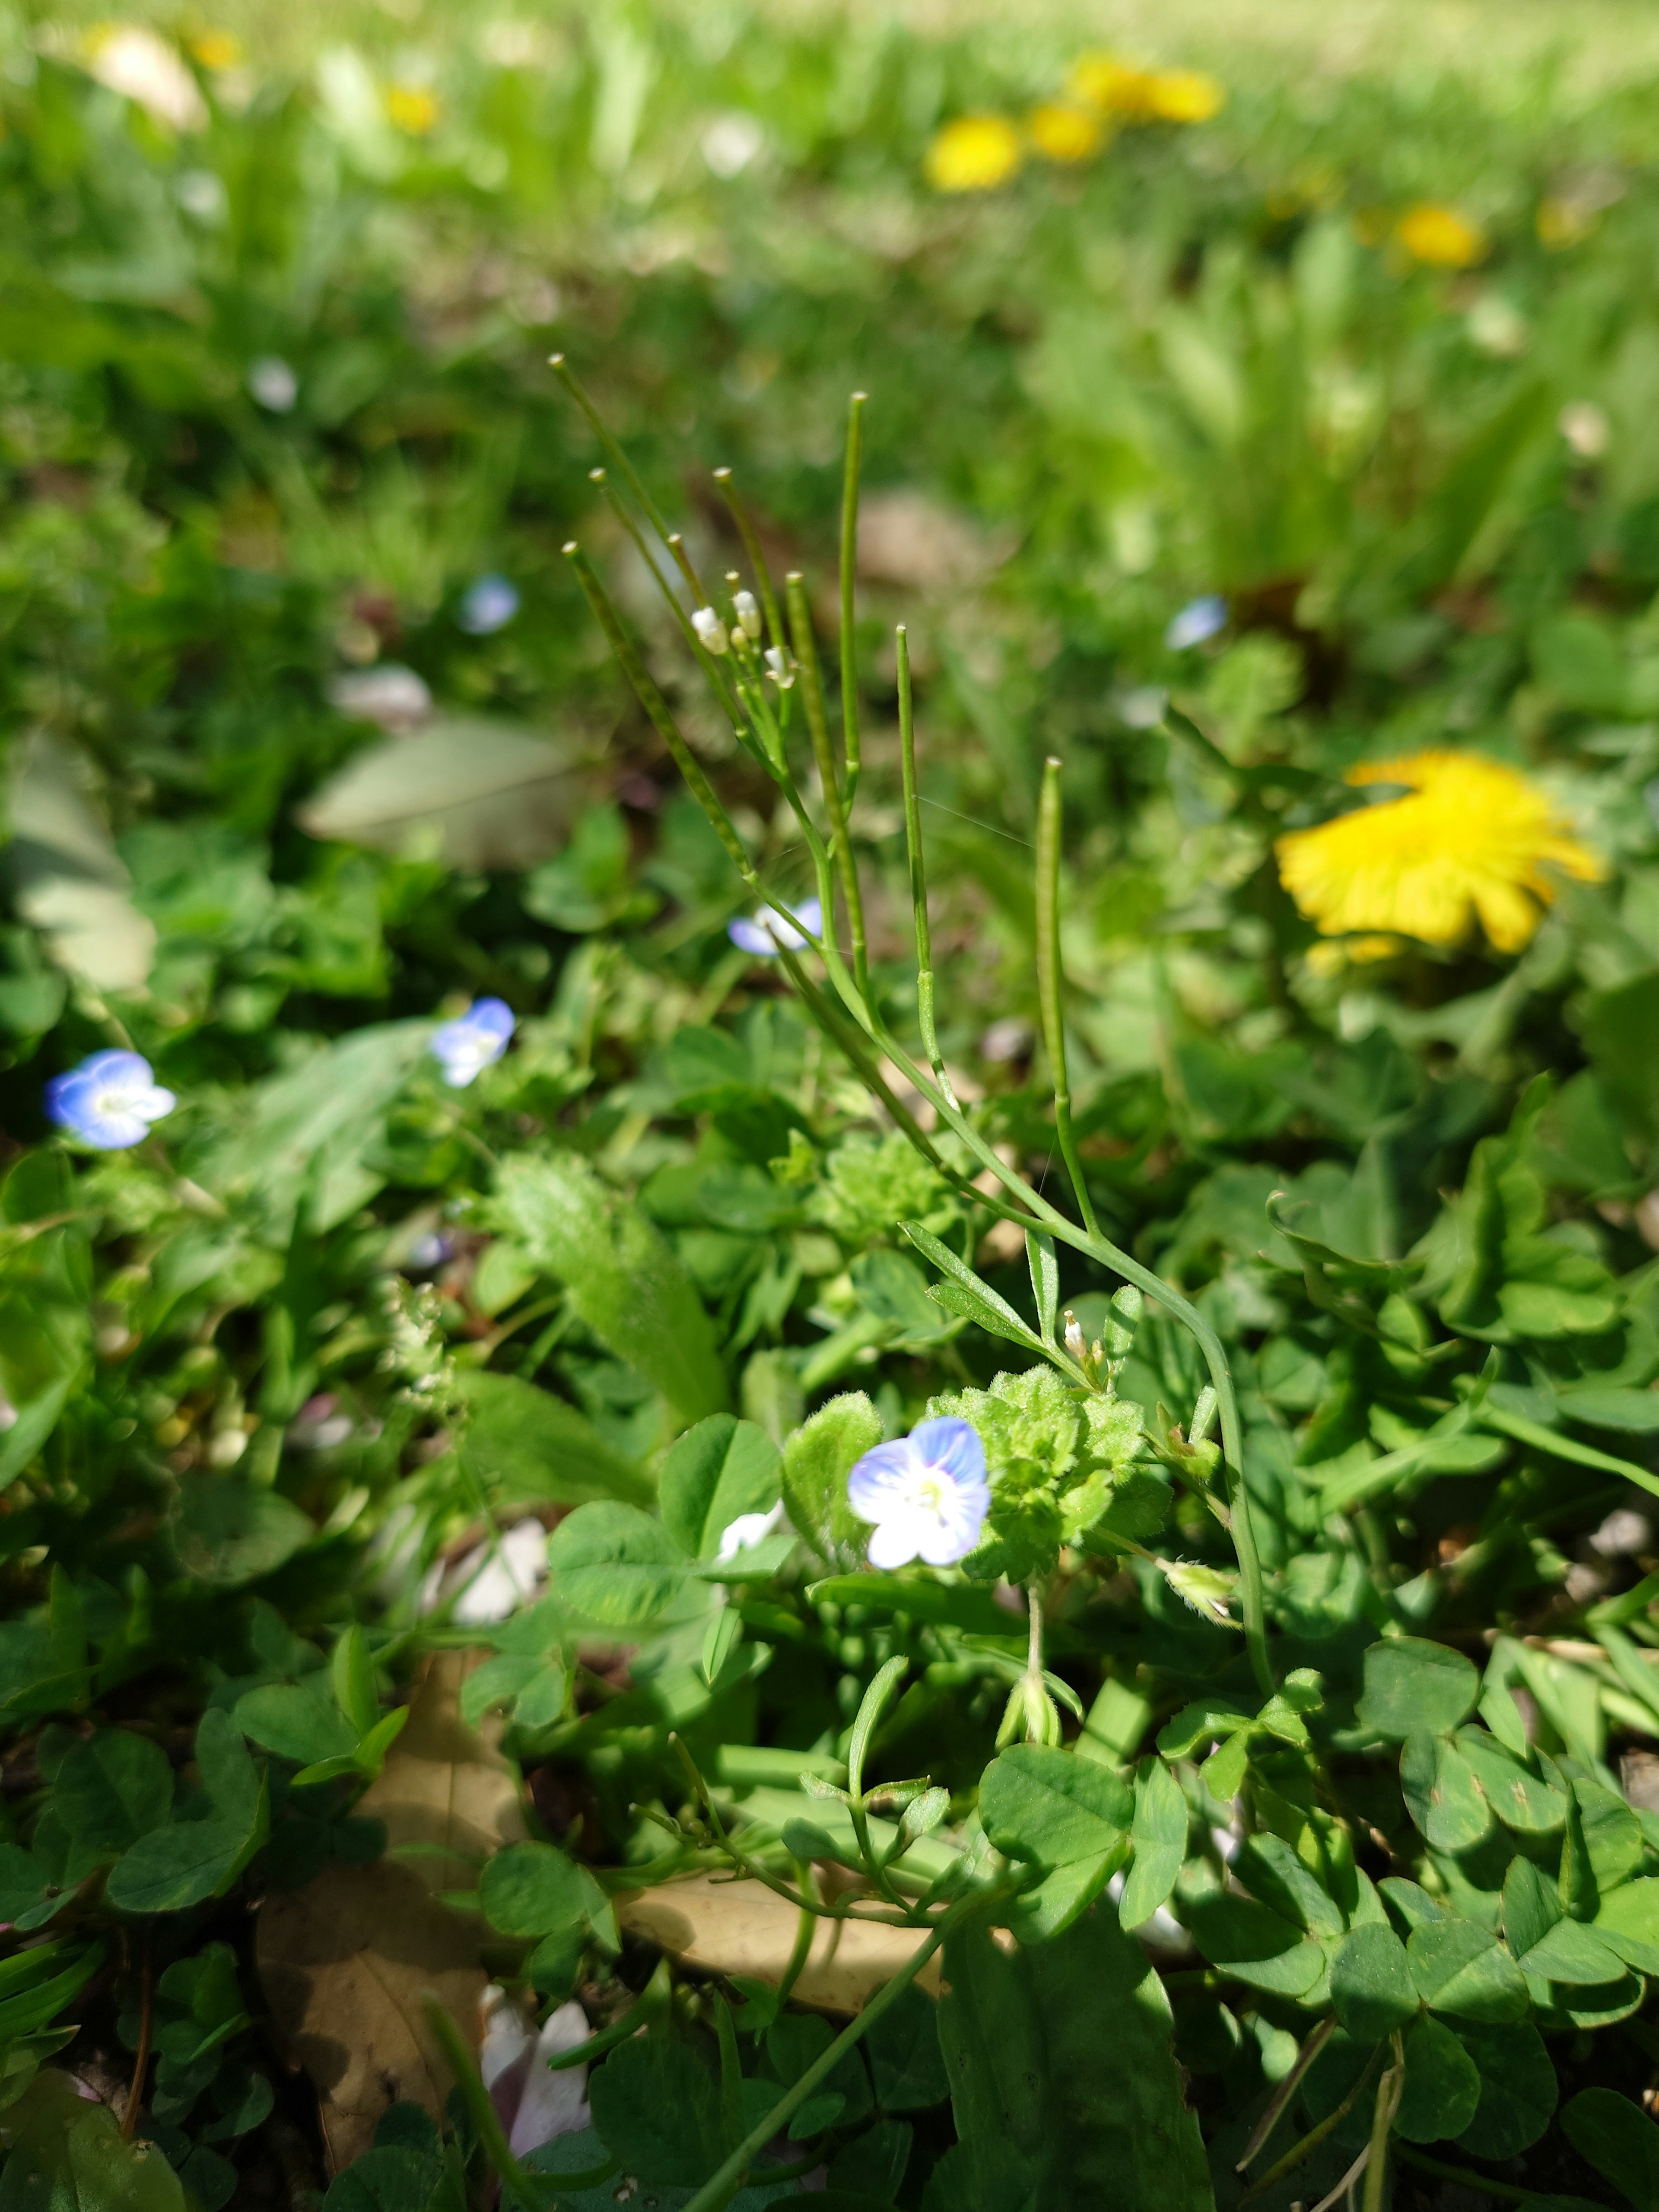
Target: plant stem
{"type": "Point", "coordinates": [751, 546]}
{"type": "Point", "coordinates": [480, 2109]}
{"type": "Point", "coordinates": [925, 1015]}
{"type": "Point", "coordinates": [811, 683]}
{"type": "Point", "coordinates": [1390, 2090]}
{"type": "Point", "coordinates": [141, 2062]}
{"type": "Point", "coordinates": [1482, 2184]}
{"type": "Point", "coordinates": [1315, 2135]}
{"type": "Point", "coordinates": [567, 376]}
{"type": "Point", "coordinates": [716, 2191]}
{"type": "Point", "coordinates": [1050, 982]}
{"type": "Point", "coordinates": [849, 554]}
{"type": "Point", "coordinates": [1287, 2089]}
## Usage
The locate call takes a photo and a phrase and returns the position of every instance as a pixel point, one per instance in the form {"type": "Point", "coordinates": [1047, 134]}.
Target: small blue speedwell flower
{"type": "Point", "coordinates": [466, 1047]}
{"type": "Point", "coordinates": [767, 934]}
{"type": "Point", "coordinates": [926, 1492]}
{"type": "Point", "coordinates": [1197, 620]}
{"type": "Point", "coordinates": [109, 1101]}
{"type": "Point", "coordinates": [488, 606]}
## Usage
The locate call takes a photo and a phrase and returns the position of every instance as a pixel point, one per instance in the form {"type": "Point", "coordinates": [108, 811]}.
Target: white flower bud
{"type": "Point", "coordinates": [778, 667]}
{"type": "Point", "coordinates": [748, 614]}
{"type": "Point", "coordinates": [711, 630]}
{"type": "Point", "coordinates": [1076, 1343]}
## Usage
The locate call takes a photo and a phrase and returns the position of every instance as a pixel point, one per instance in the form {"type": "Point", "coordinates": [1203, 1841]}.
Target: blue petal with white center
{"type": "Point", "coordinates": [110, 1101]}
{"type": "Point", "coordinates": [474, 1041]}
{"type": "Point", "coordinates": [927, 1494]}
{"type": "Point", "coordinates": [766, 934]}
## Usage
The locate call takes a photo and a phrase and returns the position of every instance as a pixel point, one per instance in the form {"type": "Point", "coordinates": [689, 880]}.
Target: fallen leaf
{"type": "Point", "coordinates": [348, 1961]}
{"type": "Point", "coordinates": [740, 1928]}
{"type": "Point", "coordinates": [69, 881]}
{"type": "Point", "coordinates": [491, 796]}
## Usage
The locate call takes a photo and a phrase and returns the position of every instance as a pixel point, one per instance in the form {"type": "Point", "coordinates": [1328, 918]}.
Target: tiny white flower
{"type": "Point", "coordinates": [745, 1532]}
{"type": "Point", "coordinates": [711, 630]}
{"type": "Point", "coordinates": [778, 667]}
{"type": "Point", "coordinates": [927, 1494]}
{"type": "Point", "coordinates": [748, 614]}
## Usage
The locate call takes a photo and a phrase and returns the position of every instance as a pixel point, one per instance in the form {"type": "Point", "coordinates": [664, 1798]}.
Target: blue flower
{"type": "Point", "coordinates": [1198, 619]}
{"type": "Point", "coordinates": [766, 934]}
{"type": "Point", "coordinates": [109, 1101]}
{"type": "Point", "coordinates": [489, 606]}
{"type": "Point", "coordinates": [465, 1048]}
{"type": "Point", "coordinates": [927, 1494]}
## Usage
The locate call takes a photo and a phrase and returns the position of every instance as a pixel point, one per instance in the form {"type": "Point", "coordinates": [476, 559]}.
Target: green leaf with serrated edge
{"type": "Point", "coordinates": [1519, 1798]}
{"type": "Point", "coordinates": [715, 1472]}
{"type": "Point", "coordinates": [1414, 1687]}
{"type": "Point", "coordinates": [1442, 2092]}
{"type": "Point", "coordinates": [1628, 1923]}
{"type": "Point", "coordinates": [1619, 2140]}
{"type": "Point", "coordinates": [1464, 1973]}
{"type": "Point", "coordinates": [615, 1565]}
{"type": "Point", "coordinates": [1371, 1985]}
{"type": "Point", "coordinates": [1022, 2034]}
{"type": "Point", "coordinates": [818, 1458]}
{"type": "Point", "coordinates": [1518, 2089]}
{"type": "Point", "coordinates": [1158, 1831]}
{"type": "Point", "coordinates": [1441, 1794]}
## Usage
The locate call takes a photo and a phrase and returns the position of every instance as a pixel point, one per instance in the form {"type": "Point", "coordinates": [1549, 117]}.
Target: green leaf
{"type": "Point", "coordinates": [533, 1890]}
{"type": "Point", "coordinates": [1611, 1835]}
{"type": "Point", "coordinates": [615, 1565]}
{"type": "Point", "coordinates": [967, 1605]}
{"type": "Point", "coordinates": [1531, 1906]}
{"type": "Point", "coordinates": [300, 1721]}
{"type": "Point", "coordinates": [528, 1447]}
{"type": "Point", "coordinates": [69, 2156]}
{"type": "Point", "coordinates": [1051, 1807]}
{"type": "Point", "coordinates": [111, 1790]}
{"type": "Point", "coordinates": [1159, 1834]}
{"type": "Point", "coordinates": [1464, 1971]}
{"type": "Point", "coordinates": [1441, 1794]}
{"type": "Point", "coordinates": [1259, 1946]}
{"type": "Point", "coordinates": [625, 1282]}
{"type": "Point", "coordinates": [1443, 2085]}
{"type": "Point", "coordinates": [179, 1866]}
{"type": "Point", "coordinates": [721, 1469]}
{"type": "Point", "coordinates": [816, 1461]}
{"type": "Point", "coordinates": [1371, 1983]}
{"type": "Point", "coordinates": [962, 1292]}
{"type": "Point", "coordinates": [228, 1532]}
{"type": "Point", "coordinates": [1516, 1796]}
{"type": "Point", "coordinates": [1518, 2091]}
{"type": "Point", "coordinates": [657, 2109]}
{"type": "Point", "coordinates": [1413, 1687]}
{"type": "Point", "coordinates": [906, 2062]}
{"type": "Point", "coordinates": [1271, 1871]}
{"type": "Point", "coordinates": [1575, 1954]}
{"type": "Point", "coordinates": [1628, 1923]}
{"type": "Point", "coordinates": [893, 1289]}
{"type": "Point", "coordinates": [1036, 2112]}
{"type": "Point", "coordinates": [1619, 2140]}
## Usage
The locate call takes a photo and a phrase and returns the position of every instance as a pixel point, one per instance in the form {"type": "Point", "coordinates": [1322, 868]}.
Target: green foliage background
{"type": "Point", "coordinates": [274, 1374]}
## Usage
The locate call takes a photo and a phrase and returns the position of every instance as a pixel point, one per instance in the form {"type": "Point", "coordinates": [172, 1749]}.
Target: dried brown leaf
{"type": "Point", "coordinates": [740, 1928]}
{"type": "Point", "coordinates": [349, 1962]}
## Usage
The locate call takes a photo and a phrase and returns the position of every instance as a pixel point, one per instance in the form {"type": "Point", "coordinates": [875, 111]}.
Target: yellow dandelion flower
{"type": "Point", "coordinates": [1471, 840]}
{"type": "Point", "coordinates": [1064, 133]}
{"type": "Point", "coordinates": [975, 153]}
{"type": "Point", "coordinates": [1441, 236]}
{"type": "Point", "coordinates": [216, 49]}
{"type": "Point", "coordinates": [1115, 88]}
{"type": "Point", "coordinates": [1185, 96]}
{"type": "Point", "coordinates": [411, 108]}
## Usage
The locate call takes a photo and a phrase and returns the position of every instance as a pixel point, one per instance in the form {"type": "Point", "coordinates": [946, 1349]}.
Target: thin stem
{"type": "Point", "coordinates": [925, 1015]}
{"type": "Point", "coordinates": [141, 2062]}
{"type": "Point", "coordinates": [1389, 2091]}
{"type": "Point", "coordinates": [567, 376]}
{"type": "Point", "coordinates": [751, 546]}
{"type": "Point", "coordinates": [1408, 2155]}
{"type": "Point", "coordinates": [806, 1880]}
{"type": "Point", "coordinates": [480, 2109]}
{"type": "Point", "coordinates": [1309, 2144]}
{"type": "Point", "coordinates": [676, 545]}
{"type": "Point", "coordinates": [715, 675]}
{"type": "Point", "coordinates": [1050, 980]}
{"type": "Point", "coordinates": [717, 2190]}
{"type": "Point", "coordinates": [849, 556]}
{"type": "Point", "coordinates": [811, 683]}
{"type": "Point", "coordinates": [1287, 2089]}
